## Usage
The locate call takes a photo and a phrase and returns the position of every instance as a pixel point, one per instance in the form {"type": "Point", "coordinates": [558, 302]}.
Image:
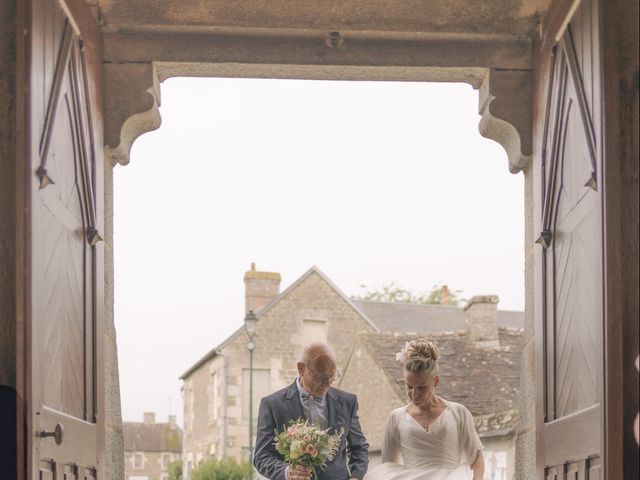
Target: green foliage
{"type": "Point", "coordinates": [225, 469]}
{"type": "Point", "coordinates": [175, 470]}
{"type": "Point", "coordinates": [438, 295]}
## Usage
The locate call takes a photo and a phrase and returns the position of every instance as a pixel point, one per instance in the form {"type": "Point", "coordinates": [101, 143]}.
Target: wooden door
{"type": "Point", "coordinates": [569, 305]}
{"type": "Point", "coordinates": [65, 139]}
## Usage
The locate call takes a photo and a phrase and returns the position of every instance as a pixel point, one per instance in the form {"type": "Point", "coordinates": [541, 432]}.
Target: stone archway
{"type": "Point", "coordinates": [132, 92]}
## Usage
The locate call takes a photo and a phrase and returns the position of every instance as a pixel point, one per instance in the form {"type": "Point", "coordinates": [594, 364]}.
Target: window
{"type": "Point", "coordinates": [261, 388]}
{"type": "Point", "coordinates": [314, 331]}
{"type": "Point", "coordinates": [138, 460]}
{"type": "Point", "coordinates": [495, 465]}
{"type": "Point", "coordinates": [166, 460]}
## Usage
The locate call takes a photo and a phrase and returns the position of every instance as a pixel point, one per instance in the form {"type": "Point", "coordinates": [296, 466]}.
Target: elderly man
{"type": "Point", "coordinates": [311, 397]}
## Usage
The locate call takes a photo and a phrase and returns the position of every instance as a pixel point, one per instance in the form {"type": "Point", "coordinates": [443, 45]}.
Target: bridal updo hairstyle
{"type": "Point", "coordinates": [420, 355]}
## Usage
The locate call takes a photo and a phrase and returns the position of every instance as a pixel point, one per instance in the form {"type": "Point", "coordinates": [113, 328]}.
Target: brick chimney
{"type": "Point", "coordinates": [149, 418]}
{"type": "Point", "coordinates": [260, 288]}
{"type": "Point", "coordinates": [482, 320]}
{"type": "Point", "coordinates": [172, 420]}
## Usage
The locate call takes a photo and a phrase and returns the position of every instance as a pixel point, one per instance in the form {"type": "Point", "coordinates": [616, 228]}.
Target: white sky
{"type": "Point", "coordinates": [372, 182]}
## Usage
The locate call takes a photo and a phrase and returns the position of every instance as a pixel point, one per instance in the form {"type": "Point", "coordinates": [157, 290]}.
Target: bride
{"type": "Point", "coordinates": [431, 438]}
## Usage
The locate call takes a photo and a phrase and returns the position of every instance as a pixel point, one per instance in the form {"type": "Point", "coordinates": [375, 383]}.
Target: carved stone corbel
{"type": "Point", "coordinates": [505, 107]}
{"type": "Point", "coordinates": [131, 100]}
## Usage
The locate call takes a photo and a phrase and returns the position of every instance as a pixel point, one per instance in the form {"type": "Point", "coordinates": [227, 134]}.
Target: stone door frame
{"type": "Point", "coordinates": [136, 62]}
{"type": "Point", "coordinates": [138, 59]}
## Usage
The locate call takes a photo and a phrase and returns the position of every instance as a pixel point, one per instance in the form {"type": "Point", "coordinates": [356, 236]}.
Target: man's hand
{"type": "Point", "coordinates": [298, 473]}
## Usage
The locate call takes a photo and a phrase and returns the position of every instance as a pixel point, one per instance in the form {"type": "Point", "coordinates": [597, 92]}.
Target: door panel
{"type": "Point", "coordinates": [66, 250]}
{"type": "Point", "coordinates": [571, 259]}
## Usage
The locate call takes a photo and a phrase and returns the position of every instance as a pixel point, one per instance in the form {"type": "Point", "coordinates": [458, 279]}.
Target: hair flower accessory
{"type": "Point", "coordinates": [405, 353]}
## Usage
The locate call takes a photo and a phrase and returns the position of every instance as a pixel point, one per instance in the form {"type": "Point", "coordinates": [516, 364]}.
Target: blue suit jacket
{"type": "Point", "coordinates": [342, 412]}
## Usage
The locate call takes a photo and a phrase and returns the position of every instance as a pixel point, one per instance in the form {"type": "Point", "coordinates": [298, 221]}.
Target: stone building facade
{"type": "Point", "coordinates": [150, 447]}
{"type": "Point", "coordinates": [215, 389]}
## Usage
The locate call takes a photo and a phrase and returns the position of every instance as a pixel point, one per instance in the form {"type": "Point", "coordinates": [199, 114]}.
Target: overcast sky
{"type": "Point", "coordinates": [373, 182]}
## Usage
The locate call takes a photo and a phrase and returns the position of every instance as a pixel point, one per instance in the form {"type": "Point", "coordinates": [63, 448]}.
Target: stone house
{"type": "Point", "coordinates": [215, 389]}
{"type": "Point", "coordinates": [312, 308]}
{"type": "Point", "coordinates": [479, 367]}
{"type": "Point", "coordinates": [150, 447]}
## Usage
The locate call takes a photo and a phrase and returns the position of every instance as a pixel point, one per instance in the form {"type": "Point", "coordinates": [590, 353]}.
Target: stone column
{"type": "Point", "coordinates": [525, 458]}
{"type": "Point", "coordinates": [114, 441]}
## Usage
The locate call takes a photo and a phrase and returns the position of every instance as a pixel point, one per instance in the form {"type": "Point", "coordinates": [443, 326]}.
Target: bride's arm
{"type": "Point", "coordinates": [390, 444]}
{"type": "Point", "coordinates": [478, 466]}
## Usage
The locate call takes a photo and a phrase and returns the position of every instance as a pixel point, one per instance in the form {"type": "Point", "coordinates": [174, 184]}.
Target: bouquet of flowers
{"type": "Point", "coordinates": [301, 443]}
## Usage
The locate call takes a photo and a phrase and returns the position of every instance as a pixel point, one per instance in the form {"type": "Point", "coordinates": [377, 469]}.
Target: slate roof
{"type": "Point", "coordinates": [411, 317]}
{"type": "Point", "coordinates": [152, 437]}
{"type": "Point", "coordinates": [485, 380]}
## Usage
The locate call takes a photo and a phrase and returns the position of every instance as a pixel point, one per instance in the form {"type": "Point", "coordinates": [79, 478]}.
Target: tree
{"type": "Point", "coordinates": [225, 469]}
{"type": "Point", "coordinates": [439, 295]}
{"type": "Point", "coordinates": [175, 470]}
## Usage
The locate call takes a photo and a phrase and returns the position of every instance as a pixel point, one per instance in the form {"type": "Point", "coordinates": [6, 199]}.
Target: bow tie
{"type": "Point", "coordinates": [307, 397]}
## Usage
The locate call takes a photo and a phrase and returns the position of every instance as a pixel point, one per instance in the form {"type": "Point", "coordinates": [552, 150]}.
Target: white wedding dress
{"type": "Point", "coordinates": [409, 452]}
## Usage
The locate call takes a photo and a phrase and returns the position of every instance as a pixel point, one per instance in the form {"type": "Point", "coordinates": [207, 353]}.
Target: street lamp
{"type": "Point", "coordinates": [250, 323]}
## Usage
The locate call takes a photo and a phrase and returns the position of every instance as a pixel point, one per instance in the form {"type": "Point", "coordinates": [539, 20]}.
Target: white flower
{"type": "Point", "coordinates": [405, 352]}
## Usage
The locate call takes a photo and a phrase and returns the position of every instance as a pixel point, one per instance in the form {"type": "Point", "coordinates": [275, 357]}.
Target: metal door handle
{"type": "Point", "coordinates": [57, 433]}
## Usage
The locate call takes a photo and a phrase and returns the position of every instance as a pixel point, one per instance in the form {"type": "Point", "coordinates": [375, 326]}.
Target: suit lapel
{"type": "Point", "coordinates": [292, 400]}
{"type": "Point", "coordinates": [334, 405]}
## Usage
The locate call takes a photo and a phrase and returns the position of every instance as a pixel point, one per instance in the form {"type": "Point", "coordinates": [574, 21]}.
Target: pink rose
{"type": "Point", "coordinates": [307, 438]}
{"type": "Point", "coordinates": [311, 450]}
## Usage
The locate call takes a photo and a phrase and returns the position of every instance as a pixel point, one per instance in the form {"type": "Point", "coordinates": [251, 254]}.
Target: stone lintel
{"type": "Point", "coordinates": [317, 48]}
{"type": "Point", "coordinates": [137, 59]}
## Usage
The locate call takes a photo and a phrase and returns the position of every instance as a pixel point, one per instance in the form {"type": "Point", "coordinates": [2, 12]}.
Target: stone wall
{"type": "Point", "coordinates": [376, 395]}
{"type": "Point", "coordinates": [199, 432]}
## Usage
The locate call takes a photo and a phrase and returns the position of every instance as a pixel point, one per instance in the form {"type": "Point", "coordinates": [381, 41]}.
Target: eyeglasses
{"type": "Point", "coordinates": [323, 378]}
